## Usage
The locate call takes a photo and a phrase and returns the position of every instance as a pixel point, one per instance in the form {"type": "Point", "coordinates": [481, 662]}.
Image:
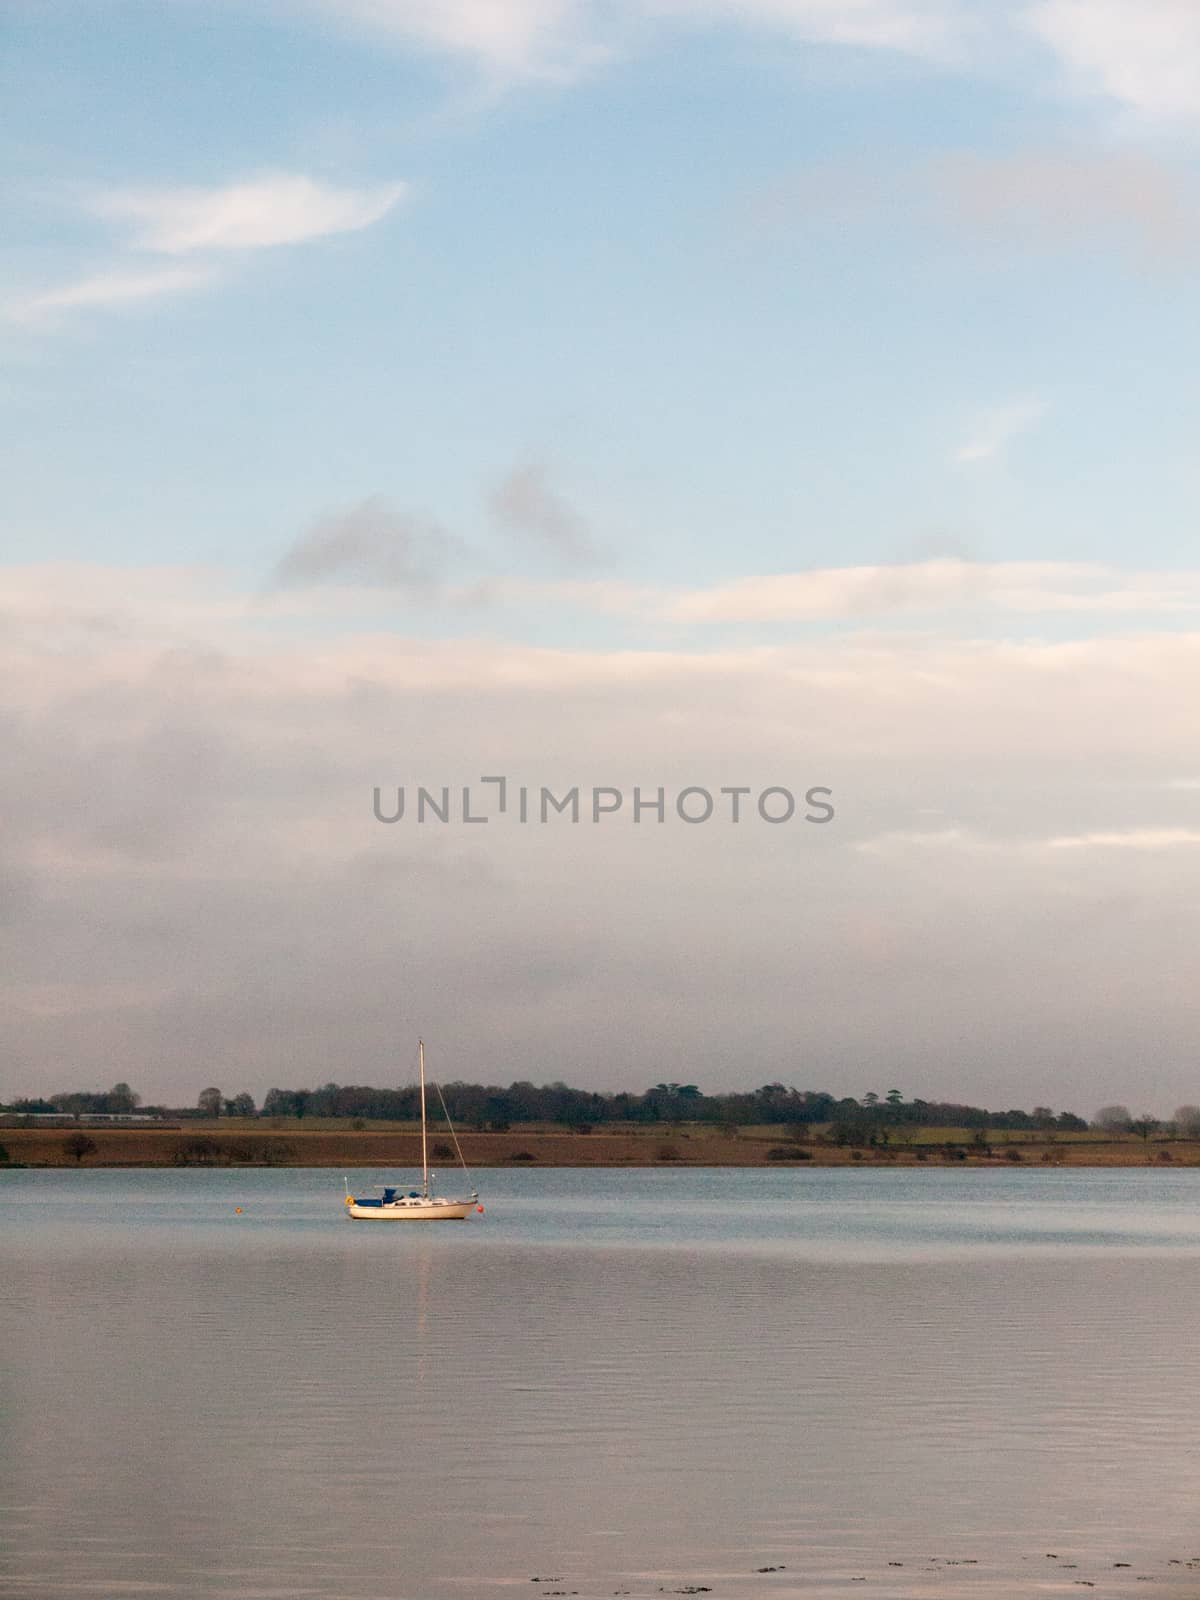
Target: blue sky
{"type": "Point", "coordinates": [704, 281]}
{"type": "Point", "coordinates": [632, 392]}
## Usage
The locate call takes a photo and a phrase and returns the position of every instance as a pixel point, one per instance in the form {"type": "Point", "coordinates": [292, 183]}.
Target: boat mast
{"type": "Point", "coordinates": [424, 1150]}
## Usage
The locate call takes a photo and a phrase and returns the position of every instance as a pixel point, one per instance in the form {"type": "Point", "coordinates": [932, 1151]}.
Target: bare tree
{"type": "Point", "coordinates": [79, 1145]}
{"type": "Point", "coordinates": [210, 1102]}
{"type": "Point", "coordinates": [1113, 1119]}
{"type": "Point", "coordinates": [1187, 1121]}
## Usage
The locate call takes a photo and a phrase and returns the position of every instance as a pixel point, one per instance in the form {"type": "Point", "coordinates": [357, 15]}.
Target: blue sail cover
{"type": "Point", "coordinates": [389, 1197]}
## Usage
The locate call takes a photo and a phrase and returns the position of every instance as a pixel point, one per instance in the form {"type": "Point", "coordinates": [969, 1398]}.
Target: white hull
{"type": "Point", "coordinates": [412, 1211]}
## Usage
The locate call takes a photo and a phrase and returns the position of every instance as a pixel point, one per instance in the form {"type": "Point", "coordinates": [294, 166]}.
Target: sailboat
{"type": "Point", "coordinates": [394, 1204]}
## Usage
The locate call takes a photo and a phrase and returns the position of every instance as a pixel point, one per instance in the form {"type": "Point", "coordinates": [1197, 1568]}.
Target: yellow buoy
{"type": "Point", "coordinates": [349, 1199]}
{"type": "Point", "coordinates": [238, 1210]}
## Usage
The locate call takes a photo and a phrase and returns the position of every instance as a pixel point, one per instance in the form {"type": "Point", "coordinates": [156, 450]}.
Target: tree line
{"type": "Point", "coordinates": [495, 1108]}
{"type": "Point", "coordinates": [492, 1107]}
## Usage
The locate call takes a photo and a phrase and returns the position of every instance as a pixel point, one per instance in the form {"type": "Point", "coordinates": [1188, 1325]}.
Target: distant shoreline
{"type": "Point", "coordinates": [218, 1144]}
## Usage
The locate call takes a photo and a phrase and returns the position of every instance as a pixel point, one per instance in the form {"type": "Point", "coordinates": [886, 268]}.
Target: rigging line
{"type": "Point", "coordinates": [450, 1125]}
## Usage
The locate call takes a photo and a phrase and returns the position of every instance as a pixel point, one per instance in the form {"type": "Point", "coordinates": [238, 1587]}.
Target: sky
{"type": "Point", "coordinates": [711, 394]}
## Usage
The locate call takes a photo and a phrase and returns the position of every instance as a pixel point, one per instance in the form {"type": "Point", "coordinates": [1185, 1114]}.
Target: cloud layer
{"type": "Point", "coordinates": [188, 786]}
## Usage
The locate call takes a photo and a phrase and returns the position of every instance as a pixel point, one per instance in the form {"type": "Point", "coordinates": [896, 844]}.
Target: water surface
{"type": "Point", "coordinates": [628, 1381]}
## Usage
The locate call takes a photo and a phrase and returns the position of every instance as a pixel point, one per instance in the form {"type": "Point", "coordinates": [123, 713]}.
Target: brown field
{"type": "Point", "coordinates": [238, 1143]}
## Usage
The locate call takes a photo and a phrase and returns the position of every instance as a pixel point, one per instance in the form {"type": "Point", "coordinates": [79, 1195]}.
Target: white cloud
{"type": "Point", "coordinates": [901, 843]}
{"type": "Point", "coordinates": [1154, 839]}
{"type": "Point", "coordinates": [915, 27]}
{"type": "Point", "coordinates": [364, 560]}
{"type": "Point", "coordinates": [597, 596]}
{"type": "Point", "coordinates": [516, 38]}
{"type": "Point", "coordinates": [373, 554]}
{"type": "Point", "coordinates": [560, 39]}
{"type": "Point", "coordinates": [110, 290]}
{"type": "Point", "coordinates": [997, 429]}
{"type": "Point", "coordinates": [936, 587]}
{"type": "Point", "coordinates": [1145, 54]}
{"type": "Point", "coordinates": [371, 562]}
{"type": "Point", "coordinates": [276, 209]}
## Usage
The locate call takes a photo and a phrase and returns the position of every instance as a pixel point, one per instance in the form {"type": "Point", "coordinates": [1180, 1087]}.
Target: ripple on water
{"type": "Point", "coordinates": [630, 1379]}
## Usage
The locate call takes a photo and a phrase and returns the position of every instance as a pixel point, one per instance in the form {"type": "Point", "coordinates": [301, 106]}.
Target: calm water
{"type": "Point", "coordinates": [615, 1382]}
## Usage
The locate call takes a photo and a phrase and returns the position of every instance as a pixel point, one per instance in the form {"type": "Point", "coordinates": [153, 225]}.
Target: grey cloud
{"type": "Point", "coordinates": [526, 505]}
{"type": "Point", "coordinates": [375, 545]}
